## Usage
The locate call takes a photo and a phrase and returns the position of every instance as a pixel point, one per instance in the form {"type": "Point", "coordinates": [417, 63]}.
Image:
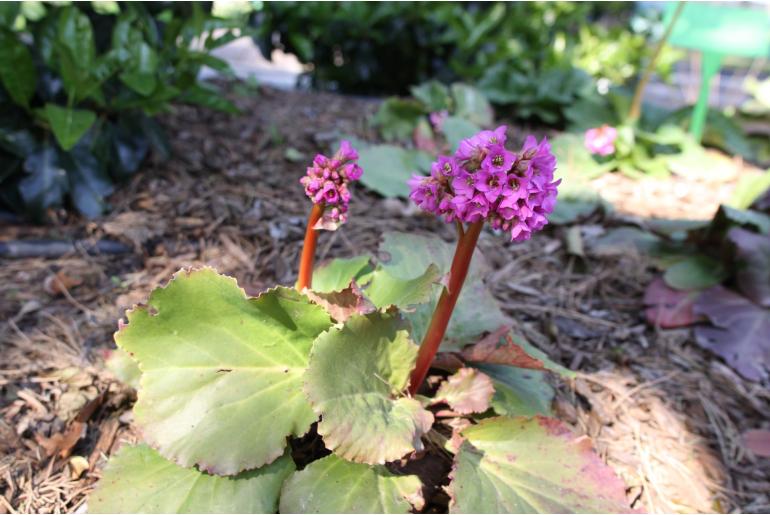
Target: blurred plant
{"type": "Point", "coordinates": [719, 278]}
{"type": "Point", "coordinates": [80, 85]}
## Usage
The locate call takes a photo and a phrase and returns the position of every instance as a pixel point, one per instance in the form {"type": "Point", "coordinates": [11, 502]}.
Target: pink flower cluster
{"type": "Point", "coordinates": [484, 181]}
{"type": "Point", "coordinates": [326, 183]}
{"type": "Point", "coordinates": [601, 140]}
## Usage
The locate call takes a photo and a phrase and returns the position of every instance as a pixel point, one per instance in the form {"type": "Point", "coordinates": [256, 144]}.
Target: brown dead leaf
{"type": "Point", "coordinates": [61, 444]}
{"type": "Point", "coordinates": [60, 283]}
{"type": "Point", "coordinates": [499, 348]}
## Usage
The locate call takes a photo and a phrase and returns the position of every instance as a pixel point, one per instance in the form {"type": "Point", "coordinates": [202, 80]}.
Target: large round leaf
{"type": "Point", "coordinates": [519, 391]}
{"type": "Point", "coordinates": [355, 379]}
{"type": "Point", "coordinates": [138, 480]}
{"type": "Point", "coordinates": [221, 373]}
{"type": "Point", "coordinates": [333, 485]}
{"type": "Point", "coordinates": [531, 465]}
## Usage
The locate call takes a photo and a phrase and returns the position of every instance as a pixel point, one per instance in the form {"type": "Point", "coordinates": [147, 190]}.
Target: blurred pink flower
{"type": "Point", "coordinates": [601, 140]}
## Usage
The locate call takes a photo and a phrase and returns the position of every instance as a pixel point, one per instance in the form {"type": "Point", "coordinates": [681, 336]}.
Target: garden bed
{"type": "Point", "coordinates": [666, 415]}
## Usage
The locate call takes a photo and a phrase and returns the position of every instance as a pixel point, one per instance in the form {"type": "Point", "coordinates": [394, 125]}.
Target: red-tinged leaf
{"type": "Point", "coordinates": [739, 331]}
{"type": "Point", "coordinates": [531, 465]}
{"type": "Point", "coordinates": [448, 361]}
{"type": "Point", "coordinates": [667, 307]}
{"type": "Point", "coordinates": [758, 442]}
{"type": "Point", "coordinates": [753, 253]}
{"type": "Point", "coordinates": [499, 348]}
{"type": "Point", "coordinates": [343, 304]}
{"type": "Point", "coordinates": [504, 347]}
{"type": "Point", "coordinates": [467, 391]}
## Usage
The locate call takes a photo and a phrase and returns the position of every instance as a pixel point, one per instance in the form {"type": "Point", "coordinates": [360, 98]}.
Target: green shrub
{"type": "Point", "coordinates": [80, 84]}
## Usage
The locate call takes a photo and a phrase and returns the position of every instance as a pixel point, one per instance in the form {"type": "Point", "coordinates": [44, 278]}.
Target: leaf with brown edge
{"type": "Point", "coordinates": [355, 381]}
{"type": "Point", "coordinates": [531, 465]}
{"type": "Point", "coordinates": [466, 391]}
{"type": "Point", "coordinates": [343, 304]}
{"type": "Point", "coordinates": [499, 348]}
{"type": "Point", "coordinates": [505, 347]}
{"type": "Point", "coordinates": [221, 383]}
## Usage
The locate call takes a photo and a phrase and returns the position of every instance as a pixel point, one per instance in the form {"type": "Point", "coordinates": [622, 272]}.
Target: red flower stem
{"type": "Point", "coordinates": [305, 279]}
{"type": "Point", "coordinates": [446, 304]}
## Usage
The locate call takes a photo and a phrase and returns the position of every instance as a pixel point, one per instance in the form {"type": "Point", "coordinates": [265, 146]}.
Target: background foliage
{"type": "Point", "coordinates": [80, 86]}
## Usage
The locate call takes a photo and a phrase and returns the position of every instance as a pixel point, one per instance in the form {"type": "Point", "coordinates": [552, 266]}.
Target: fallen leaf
{"type": "Point", "coordinates": [753, 253]}
{"type": "Point", "coordinates": [466, 391]}
{"type": "Point", "coordinates": [739, 331]}
{"type": "Point", "coordinates": [757, 441]}
{"type": "Point", "coordinates": [61, 444]}
{"type": "Point", "coordinates": [667, 307]}
{"type": "Point", "coordinates": [59, 283]}
{"type": "Point", "coordinates": [498, 347]}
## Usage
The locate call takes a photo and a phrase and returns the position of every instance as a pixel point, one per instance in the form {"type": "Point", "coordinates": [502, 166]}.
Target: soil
{"type": "Point", "coordinates": [665, 414]}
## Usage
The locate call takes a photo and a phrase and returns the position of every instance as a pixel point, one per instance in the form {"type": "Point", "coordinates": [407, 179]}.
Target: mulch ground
{"type": "Point", "coordinates": [666, 415]}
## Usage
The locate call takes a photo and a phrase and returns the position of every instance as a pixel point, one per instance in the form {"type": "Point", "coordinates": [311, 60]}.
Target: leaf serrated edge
{"type": "Point", "coordinates": [146, 306]}
{"type": "Point", "coordinates": [402, 326]}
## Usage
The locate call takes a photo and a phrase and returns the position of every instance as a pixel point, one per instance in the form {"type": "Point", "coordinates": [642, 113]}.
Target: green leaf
{"type": "Point", "coordinates": [476, 311]}
{"type": "Point", "coordinates": [123, 366]}
{"type": "Point", "coordinates": [335, 275]}
{"type": "Point", "coordinates": [457, 129]}
{"type": "Point", "coordinates": [105, 7]}
{"type": "Point", "coordinates": [531, 465]}
{"type": "Point", "coordinates": [519, 391]}
{"type": "Point", "coordinates": [695, 273]}
{"type": "Point", "coordinates": [76, 35]}
{"type": "Point", "coordinates": [333, 485]}
{"type": "Point", "coordinates": [138, 480]}
{"type": "Point", "coordinates": [215, 362]}
{"type": "Point", "coordinates": [89, 181]}
{"type": "Point", "coordinates": [385, 290]}
{"type": "Point", "coordinates": [355, 380]}
{"type": "Point", "coordinates": [396, 118]}
{"type": "Point", "coordinates": [387, 168]}
{"type": "Point", "coordinates": [45, 184]}
{"type": "Point", "coordinates": [433, 94]}
{"type": "Point", "coordinates": [17, 71]}
{"type": "Point", "coordinates": [208, 96]}
{"type": "Point", "coordinates": [472, 105]}
{"type": "Point", "coordinates": [748, 189]}
{"type": "Point", "coordinates": [68, 125]}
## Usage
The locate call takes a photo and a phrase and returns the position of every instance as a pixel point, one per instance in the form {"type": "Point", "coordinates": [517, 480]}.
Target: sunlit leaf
{"type": "Point", "coordinates": [336, 274]}
{"type": "Point", "coordinates": [386, 290]}
{"type": "Point", "coordinates": [215, 362]}
{"type": "Point", "coordinates": [355, 382]}
{"type": "Point", "coordinates": [531, 465]}
{"type": "Point", "coordinates": [138, 480]}
{"type": "Point", "coordinates": [466, 391]}
{"type": "Point", "coordinates": [333, 485]}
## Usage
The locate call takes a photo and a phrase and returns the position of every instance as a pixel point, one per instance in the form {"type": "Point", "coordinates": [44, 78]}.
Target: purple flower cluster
{"type": "Point", "coordinates": [484, 181]}
{"type": "Point", "coordinates": [326, 183]}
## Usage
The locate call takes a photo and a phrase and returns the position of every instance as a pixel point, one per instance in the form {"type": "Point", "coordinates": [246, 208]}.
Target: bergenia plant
{"type": "Point", "coordinates": [305, 400]}
{"type": "Point", "coordinates": [326, 184]}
